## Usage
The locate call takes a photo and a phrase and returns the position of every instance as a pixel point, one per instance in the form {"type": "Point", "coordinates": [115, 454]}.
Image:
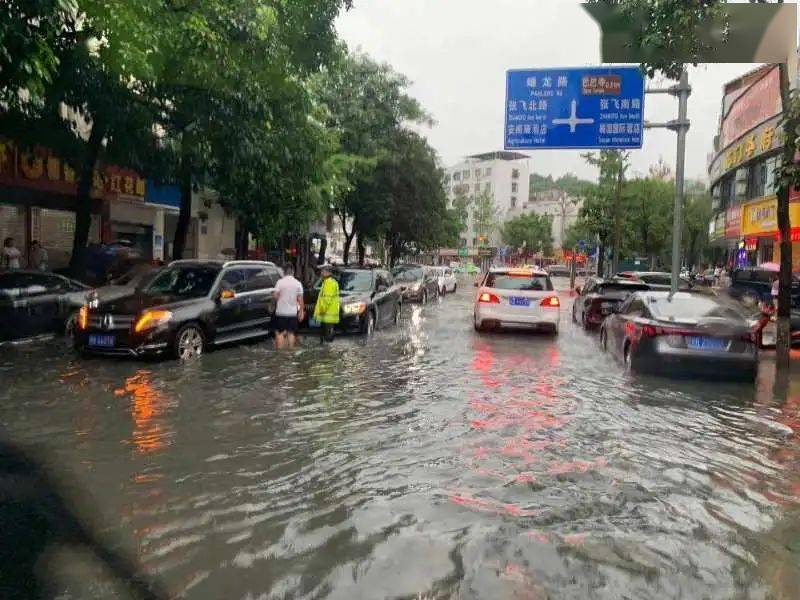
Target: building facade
{"type": "Point", "coordinates": [38, 202]}
{"type": "Point", "coordinates": [504, 175]}
{"type": "Point", "coordinates": [742, 173]}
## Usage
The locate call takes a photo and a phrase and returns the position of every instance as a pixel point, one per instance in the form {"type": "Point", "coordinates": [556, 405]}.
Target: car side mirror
{"type": "Point", "coordinates": [227, 294]}
{"type": "Point", "coordinates": [578, 290]}
{"type": "Point", "coordinates": [381, 288]}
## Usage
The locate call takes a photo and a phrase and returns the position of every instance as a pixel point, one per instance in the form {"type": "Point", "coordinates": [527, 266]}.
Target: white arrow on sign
{"type": "Point", "coordinates": [573, 120]}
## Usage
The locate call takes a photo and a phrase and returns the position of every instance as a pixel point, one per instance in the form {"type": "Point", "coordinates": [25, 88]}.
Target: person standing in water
{"type": "Point", "coordinates": [289, 310]}
{"type": "Point", "coordinates": [326, 310]}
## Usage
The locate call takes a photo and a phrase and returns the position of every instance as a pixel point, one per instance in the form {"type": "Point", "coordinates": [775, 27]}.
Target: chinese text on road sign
{"type": "Point", "coordinates": [598, 107]}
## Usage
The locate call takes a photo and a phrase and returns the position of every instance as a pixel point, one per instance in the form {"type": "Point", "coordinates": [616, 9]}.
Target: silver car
{"type": "Point", "coordinates": [686, 335]}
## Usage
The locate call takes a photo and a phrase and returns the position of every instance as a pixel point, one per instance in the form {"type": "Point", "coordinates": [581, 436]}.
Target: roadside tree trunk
{"type": "Point", "coordinates": [242, 241]}
{"type": "Point", "coordinates": [348, 239]}
{"type": "Point", "coordinates": [361, 252]}
{"type": "Point", "coordinates": [185, 213]}
{"type": "Point", "coordinates": [601, 256]}
{"type": "Point", "coordinates": [783, 337]}
{"type": "Point", "coordinates": [323, 247]}
{"type": "Point", "coordinates": [83, 201]}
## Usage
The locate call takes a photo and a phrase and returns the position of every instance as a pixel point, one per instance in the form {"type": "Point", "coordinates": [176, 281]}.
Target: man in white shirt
{"type": "Point", "coordinates": [289, 311]}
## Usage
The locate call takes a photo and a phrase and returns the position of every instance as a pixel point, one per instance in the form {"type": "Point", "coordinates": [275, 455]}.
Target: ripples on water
{"type": "Point", "coordinates": [428, 461]}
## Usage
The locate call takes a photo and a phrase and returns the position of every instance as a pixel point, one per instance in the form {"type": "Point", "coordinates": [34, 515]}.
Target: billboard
{"type": "Point", "coordinates": [758, 103]}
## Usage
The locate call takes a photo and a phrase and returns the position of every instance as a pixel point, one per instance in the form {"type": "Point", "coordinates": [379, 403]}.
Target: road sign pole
{"type": "Point", "coordinates": [681, 126]}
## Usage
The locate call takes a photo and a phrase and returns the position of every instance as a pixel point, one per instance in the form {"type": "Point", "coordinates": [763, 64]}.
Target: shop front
{"type": "Point", "coordinates": [38, 194]}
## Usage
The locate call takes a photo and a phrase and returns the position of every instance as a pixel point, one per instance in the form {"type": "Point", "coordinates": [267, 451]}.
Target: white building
{"type": "Point", "coordinates": [558, 205]}
{"type": "Point", "coordinates": [504, 174]}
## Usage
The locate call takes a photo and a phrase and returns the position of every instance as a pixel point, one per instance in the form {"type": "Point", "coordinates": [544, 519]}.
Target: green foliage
{"type": "Point", "coordinates": [530, 231]}
{"type": "Point", "coordinates": [568, 183]}
{"type": "Point", "coordinates": [575, 233]}
{"type": "Point", "coordinates": [485, 215]}
{"type": "Point", "coordinates": [647, 218]}
{"type": "Point", "coordinates": [696, 216]}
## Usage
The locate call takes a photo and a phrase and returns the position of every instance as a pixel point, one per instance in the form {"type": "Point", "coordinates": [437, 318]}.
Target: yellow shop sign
{"type": "Point", "coordinates": [760, 217]}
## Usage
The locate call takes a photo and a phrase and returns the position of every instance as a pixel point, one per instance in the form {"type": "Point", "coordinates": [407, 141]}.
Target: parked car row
{"type": "Point", "coordinates": [192, 305]}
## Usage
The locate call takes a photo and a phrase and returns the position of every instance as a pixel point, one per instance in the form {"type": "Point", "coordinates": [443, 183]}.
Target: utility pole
{"type": "Point", "coordinates": [681, 126]}
{"type": "Point", "coordinates": [617, 225]}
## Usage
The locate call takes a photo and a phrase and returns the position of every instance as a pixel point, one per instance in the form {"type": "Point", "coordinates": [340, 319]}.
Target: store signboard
{"type": "Point", "coordinates": [40, 169]}
{"type": "Point", "coordinates": [733, 222]}
{"type": "Point", "coordinates": [717, 227]}
{"type": "Point", "coordinates": [760, 217]}
{"type": "Point", "coordinates": [761, 101]}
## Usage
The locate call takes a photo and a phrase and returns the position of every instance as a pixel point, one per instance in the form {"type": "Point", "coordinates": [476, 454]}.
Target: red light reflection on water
{"type": "Point", "coordinates": [146, 409]}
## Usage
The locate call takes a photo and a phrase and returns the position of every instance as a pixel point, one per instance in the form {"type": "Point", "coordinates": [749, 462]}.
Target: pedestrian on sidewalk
{"type": "Point", "coordinates": [38, 257]}
{"type": "Point", "coordinates": [289, 310]}
{"type": "Point", "coordinates": [11, 254]}
{"type": "Point", "coordinates": [327, 309]}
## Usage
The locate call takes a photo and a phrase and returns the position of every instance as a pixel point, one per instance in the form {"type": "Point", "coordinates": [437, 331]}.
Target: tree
{"type": "Point", "coordinates": [612, 165]}
{"type": "Point", "coordinates": [596, 217]}
{"type": "Point", "coordinates": [647, 220]}
{"type": "Point", "coordinates": [696, 216]}
{"type": "Point", "coordinates": [484, 216]}
{"type": "Point", "coordinates": [367, 107]}
{"type": "Point", "coordinates": [530, 231]}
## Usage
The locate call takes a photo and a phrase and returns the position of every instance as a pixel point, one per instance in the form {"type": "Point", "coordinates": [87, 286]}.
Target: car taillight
{"type": "Point", "coordinates": [488, 298]}
{"type": "Point", "coordinates": [83, 317]}
{"type": "Point", "coordinates": [651, 331]}
{"type": "Point", "coordinates": [551, 302]}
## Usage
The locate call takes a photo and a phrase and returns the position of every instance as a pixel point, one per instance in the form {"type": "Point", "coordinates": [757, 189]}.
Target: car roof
{"type": "Point", "coordinates": [518, 270]}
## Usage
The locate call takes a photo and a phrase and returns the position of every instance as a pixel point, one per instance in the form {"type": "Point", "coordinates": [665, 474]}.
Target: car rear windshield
{"type": "Point", "coordinates": [408, 273]}
{"type": "Point", "coordinates": [657, 279]}
{"type": "Point", "coordinates": [183, 281]}
{"type": "Point", "coordinates": [694, 307]}
{"type": "Point", "coordinates": [523, 283]}
{"type": "Point", "coordinates": [351, 281]}
{"type": "Point", "coordinates": [615, 288]}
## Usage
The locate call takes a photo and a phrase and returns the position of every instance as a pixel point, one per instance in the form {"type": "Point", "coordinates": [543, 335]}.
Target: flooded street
{"type": "Point", "coordinates": [427, 461]}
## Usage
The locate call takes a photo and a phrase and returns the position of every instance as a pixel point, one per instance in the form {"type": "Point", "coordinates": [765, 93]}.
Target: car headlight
{"type": "Point", "coordinates": [83, 317]}
{"type": "Point", "coordinates": [416, 287]}
{"type": "Point", "coordinates": [152, 318]}
{"type": "Point", "coordinates": [355, 308]}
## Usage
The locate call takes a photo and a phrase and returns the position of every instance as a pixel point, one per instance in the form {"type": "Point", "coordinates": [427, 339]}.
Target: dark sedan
{"type": "Point", "coordinates": [685, 335]}
{"type": "Point", "coordinates": [417, 283]}
{"type": "Point", "coordinates": [655, 280]}
{"type": "Point", "coordinates": [752, 285]}
{"type": "Point", "coordinates": [34, 303]}
{"type": "Point", "coordinates": [599, 297]}
{"type": "Point", "coordinates": [188, 307]}
{"type": "Point", "coordinates": [368, 300]}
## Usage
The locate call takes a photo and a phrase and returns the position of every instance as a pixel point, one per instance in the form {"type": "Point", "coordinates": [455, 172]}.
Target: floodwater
{"type": "Point", "coordinates": [426, 462]}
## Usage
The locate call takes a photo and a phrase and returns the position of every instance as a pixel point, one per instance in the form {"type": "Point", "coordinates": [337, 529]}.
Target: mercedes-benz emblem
{"type": "Point", "coordinates": [108, 322]}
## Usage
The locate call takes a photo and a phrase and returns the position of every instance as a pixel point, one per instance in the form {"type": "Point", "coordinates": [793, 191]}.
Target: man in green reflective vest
{"type": "Point", "coordinates": [327, 309]}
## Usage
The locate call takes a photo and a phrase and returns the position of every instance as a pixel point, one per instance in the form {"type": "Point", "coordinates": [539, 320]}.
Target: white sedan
{"type": "Point", "coordinates": [518, 299]}
{"type": "Point", "coordinates": [446, 278]}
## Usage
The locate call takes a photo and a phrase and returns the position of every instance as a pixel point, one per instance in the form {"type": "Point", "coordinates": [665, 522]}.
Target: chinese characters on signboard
{"type": "Point", "coordinates": [758, 103]}
{"type": "Point", "coordinates": [574, 108]}
{"type": "Point", "coordinates": [41, 169]}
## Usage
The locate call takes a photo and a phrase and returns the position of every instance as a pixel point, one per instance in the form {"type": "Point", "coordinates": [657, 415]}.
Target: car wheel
{"type": "Point", "coordinates": [424, 296]}
{"type": "Point", "coordinates": [627, 357]}
{"type": "Point", "coordinates": [190, 342]}
{"type": "Point", "coordinates": [69, 327]}
{"type": "Point", "coordinates": [604, 339]}
{"type": "Point", "coordinates": [476, 325]}
{"type": "Point", "coordinates": [555, 330]}
{"type": "Point", "coordinates": [398, 307]}
{"type": "Point", "coordinates": [455, 287]}
{"type": "Point", "coordinates": [583, 320]}
{"type": "Point", "coordinates": [574, 318]}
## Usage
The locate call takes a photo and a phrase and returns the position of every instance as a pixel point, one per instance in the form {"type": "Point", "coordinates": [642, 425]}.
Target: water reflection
{"type": "Point", "coordinates": [151, 430]}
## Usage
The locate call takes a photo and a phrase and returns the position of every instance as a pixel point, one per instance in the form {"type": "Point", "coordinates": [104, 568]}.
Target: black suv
{"type": "Point", "coordinates": [187, 307]}
{"type": "Point", "coordinates": [752, 285]}
{"type": "Point", "coordinates": [417, 283]}
{"type": "Point", "coordinates": [369, 299]}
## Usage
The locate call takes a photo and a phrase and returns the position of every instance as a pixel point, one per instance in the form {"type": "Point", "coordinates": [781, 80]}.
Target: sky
{"type": "Point", "coordinates": [456, 53]}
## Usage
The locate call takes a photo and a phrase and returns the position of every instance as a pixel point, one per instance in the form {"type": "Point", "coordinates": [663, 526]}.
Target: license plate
{"type": "Point", "coordinates": [706, 343]}
{"type": "Point", "coordinates": [313, 323]}
{"type": "Point", "coordinates": [517, 301]}
{"type": "Point", "coordinates": [101, 341]}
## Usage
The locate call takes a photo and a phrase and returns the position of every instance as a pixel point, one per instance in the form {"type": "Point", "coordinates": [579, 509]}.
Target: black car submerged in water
{"type": "Point", "coordinates": [187, 307]}
{"type": "Point", "coordinates": [369, 299]}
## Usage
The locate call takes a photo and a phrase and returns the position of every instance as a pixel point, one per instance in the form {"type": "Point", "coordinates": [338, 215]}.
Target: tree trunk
{"type": "Point", "coordinates": [601, 252]}
{"type": "Point", "coordinates": [242, 241]}
{"type": "Point", "coordinates": [361, 252]}
{"type": "Point", "coordinates": [323, 247]}
{"type": "Point", "coordinates": [783, 337]}
{"type": "Point", "coordinates": [83, 201]}
{"type": "Point", "coordinates": [348, 239]}
{"type": "Point", "coordinates": [185, 214]}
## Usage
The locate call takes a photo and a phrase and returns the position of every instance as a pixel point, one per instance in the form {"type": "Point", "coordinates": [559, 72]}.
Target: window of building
{"type": "Point", "coordinates": [465, 187]}
{"type": "Point", "coordinates": [515, 173]}
{"type": "Point", "coordinates": [488, 171]}
{"type": "Point", "coordinates": [465, 174]}
{"type": "Point", "coordinates": [758, 178]}
{"type": "Point", "coordinates": [487, 187]}
{"type": "Point", "coordinates": [514, 187]}
{"type": "Point", "coordinates": [477, 173]}
{"type": "Point", "coordinates": [715, 197]}
{"type": "Point", "coordinates": [771, 180]}
{"type": "Point", "coordinates": [513, 202]}
{"type": "Point", "coordinates": [726, 192]}
{"type": "Point", "coordinates": [456, 176]}
{"type": "Point", "coordinates": [740, 185]}
{"type": "Point", "coordinates": [474, 241]}
{"type": "Point", "coordinates": [447, 178]}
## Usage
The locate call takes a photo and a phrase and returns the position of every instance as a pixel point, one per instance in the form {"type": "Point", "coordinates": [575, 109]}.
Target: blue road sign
{"type": "Point", "coordinates": [578, 108]}
{"type": "Point", "coordinates": [582, 245]}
